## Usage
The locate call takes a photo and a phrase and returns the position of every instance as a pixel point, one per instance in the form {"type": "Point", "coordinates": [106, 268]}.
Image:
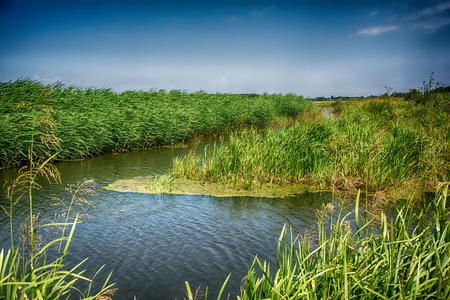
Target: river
{"type": "Point", "coordinates": [154, 243]}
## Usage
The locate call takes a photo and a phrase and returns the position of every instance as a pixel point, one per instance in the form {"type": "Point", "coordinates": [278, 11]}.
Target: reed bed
{"type": "Point", "coordinates": [92, 121]}
{"type": "Point", "coordinates": [356, 256]}
{"type": "Point", "coordinates": [374, 145]}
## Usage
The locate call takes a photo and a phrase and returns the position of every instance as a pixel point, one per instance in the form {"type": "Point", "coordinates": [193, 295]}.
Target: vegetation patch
{"type": "Point", "coordinates": [86, 122]}
{"type": "Point", "coordinates": [387, 147]}
{"type": "Point", "coordinates": [377, 145]}
{"type": "Point", "coordinates": [166, 184]}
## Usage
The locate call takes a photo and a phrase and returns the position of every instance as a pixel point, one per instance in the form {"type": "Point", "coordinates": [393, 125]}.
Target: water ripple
{"type": "Point", "coordinates": [154, 243]}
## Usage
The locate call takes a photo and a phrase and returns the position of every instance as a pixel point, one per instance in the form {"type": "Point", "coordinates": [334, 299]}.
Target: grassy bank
{"type": "Point", "coordinates": [86, 122]}
{"type": "Point", "coordinates": [378, 145]}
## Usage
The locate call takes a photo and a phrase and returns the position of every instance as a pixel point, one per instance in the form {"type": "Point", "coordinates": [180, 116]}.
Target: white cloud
{"type": "Point", "coordinates": [430, 11]}
{"type": "Point", "coordinates": [443, 6]}
{"type": "Point", "coordinates": [376, 30]}
{"type": "Point", "coordinates": [374, 13]}
{"type": "Point", "coordinates": [47, 80]}
{"type": "Point", "coordinates": [433, 24]}
{"type": "Point", "coordinates": [263, 12]}
{"type": "Point", "coordinates": [431, 18]}
{"type": "Point", "coordinates": [256, 13]}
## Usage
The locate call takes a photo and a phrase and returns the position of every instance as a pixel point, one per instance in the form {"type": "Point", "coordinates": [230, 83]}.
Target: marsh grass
{"type": "Point", "coordinates": [92, 121]}
{"type": "Point", "coordinates": [356, 256]}
{"type": "Point", "coordinates": [375, 145]}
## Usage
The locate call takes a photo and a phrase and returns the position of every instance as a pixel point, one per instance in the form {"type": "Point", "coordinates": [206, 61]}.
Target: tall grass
{"type": "Point", "coordinates": [376, 145]}
{"type": "Point", "coordinates": [406, 257]}
{"type": "Point", "coordinates": [91, 121]}
{"type": "Point", "coordinates": [33, 266]}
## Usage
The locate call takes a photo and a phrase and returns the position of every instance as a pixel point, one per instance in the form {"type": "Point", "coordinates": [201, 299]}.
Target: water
{"type": "Point", "coordinates": [327, 112]}
{"type": "Point", "coordinates": [154, 243]}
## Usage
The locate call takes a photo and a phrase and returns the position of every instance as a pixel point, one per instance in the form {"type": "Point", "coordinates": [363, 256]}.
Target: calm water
{"type": "Point", "coordinates": [154, 243]}
{"type": "Point", "coordinates": [327, 112]}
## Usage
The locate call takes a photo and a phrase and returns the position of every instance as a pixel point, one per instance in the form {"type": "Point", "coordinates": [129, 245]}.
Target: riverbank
{"type": "Point", "coordinates": [76, 122]}
{"type": "Point", "coordinates": [381, 146]}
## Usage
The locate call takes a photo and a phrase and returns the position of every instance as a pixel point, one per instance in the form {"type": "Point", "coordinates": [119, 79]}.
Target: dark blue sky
{"type": "Point", "coordinates": [312, 48]}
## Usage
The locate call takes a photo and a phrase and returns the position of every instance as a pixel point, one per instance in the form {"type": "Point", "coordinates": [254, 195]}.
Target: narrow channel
{"type": "Point", "coordinates": [154, 243]}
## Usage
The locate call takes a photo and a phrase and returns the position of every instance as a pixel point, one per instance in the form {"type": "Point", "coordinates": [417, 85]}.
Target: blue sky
{"type": "Point", "coordinates": [311, 48]}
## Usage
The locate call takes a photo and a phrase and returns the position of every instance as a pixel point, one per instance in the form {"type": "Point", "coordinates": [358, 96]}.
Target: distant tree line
{"type": "Point", "coordinates": [341, 98]}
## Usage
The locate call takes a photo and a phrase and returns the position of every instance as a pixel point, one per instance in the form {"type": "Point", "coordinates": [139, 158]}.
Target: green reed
{"type": "Point", "coordinates": [361, 257]}
{"type": "Point", "coordinates": [26, 269]}
{"type": "Point", "coordinates": [375, 145]}
{"type": "Point", "coordinates": [91, 121]}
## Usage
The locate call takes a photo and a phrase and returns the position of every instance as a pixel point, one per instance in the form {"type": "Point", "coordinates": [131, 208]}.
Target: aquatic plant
{"type": "Point", "coordinates": [356, 253]}
{"type": "Point", "coordinates": [405, 257]}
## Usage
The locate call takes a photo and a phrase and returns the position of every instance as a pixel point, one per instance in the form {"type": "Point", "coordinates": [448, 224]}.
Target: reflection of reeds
{"type": "Point", "coordinates": [404, 258]}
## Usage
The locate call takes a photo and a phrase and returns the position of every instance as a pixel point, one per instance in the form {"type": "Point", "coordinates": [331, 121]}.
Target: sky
{"type": "Point", "coordinates": [310, 48]}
